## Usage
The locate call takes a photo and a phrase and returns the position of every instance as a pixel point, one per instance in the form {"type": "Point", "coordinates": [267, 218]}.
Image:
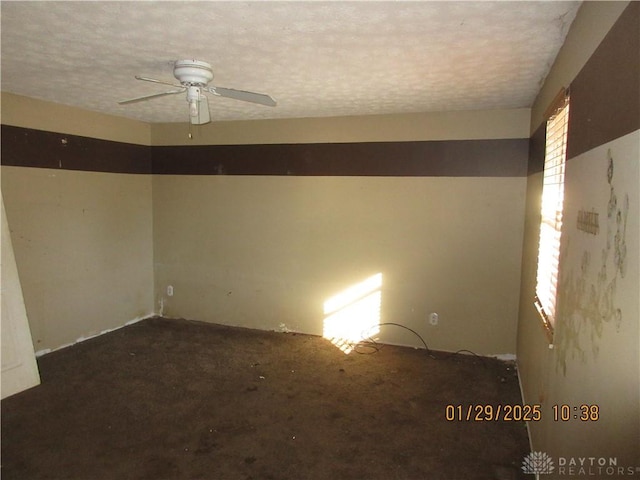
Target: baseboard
{"type": "Point", "coordinates": [524, 402]}
{"type": "Point", "coordinates": [45, 351]}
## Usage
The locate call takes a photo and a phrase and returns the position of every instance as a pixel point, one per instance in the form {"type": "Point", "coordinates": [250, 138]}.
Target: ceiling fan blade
{"type": "Point", "coordinates": [203, 112]}
{"type": "Point", "coordinates": [149, 97]}
{"type": "Point", "coordinates": [148, 79]}
{"type": "Point", "coordinates": [252, 97]}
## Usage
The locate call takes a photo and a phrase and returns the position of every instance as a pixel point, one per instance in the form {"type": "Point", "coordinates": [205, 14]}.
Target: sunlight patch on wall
{"type": "Point", "coordinates": [353, 314]}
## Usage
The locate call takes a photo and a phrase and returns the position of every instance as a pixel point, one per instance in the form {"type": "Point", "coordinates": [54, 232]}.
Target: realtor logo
{"type": "Point", "coordinates": [537, 463]}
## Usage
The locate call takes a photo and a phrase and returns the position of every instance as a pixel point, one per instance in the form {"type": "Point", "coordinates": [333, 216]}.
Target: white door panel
{"type": "Point", "coordinates": [19, 367]}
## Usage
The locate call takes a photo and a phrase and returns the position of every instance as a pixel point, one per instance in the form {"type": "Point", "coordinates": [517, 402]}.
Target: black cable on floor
{"type": "Point", "coordinates": [370, 343]}
{"type": "Point", "coordinates": [375, 347]}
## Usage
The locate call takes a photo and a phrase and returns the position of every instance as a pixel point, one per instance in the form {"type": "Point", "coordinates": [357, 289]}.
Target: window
{"type": "Point", "coordinates": [551, 212]}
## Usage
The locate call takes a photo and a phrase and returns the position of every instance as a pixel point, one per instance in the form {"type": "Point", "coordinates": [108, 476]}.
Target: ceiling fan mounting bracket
{"type": "Point", "coordinates": [193, 72]}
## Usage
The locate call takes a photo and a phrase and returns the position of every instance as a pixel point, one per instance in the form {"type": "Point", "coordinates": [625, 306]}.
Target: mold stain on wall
{"type": "Point", "coordinates": [587, 295]}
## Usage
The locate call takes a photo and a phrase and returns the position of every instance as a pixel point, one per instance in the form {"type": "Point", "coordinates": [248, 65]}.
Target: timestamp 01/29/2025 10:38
{"type": "Point", "coordinates": [519, 413]}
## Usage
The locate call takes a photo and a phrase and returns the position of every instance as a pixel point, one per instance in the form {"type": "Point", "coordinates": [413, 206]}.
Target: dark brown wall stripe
{"type": "Point", "coordinates": [537, 147]}
{"type": "Point", "coordinates": [36, 148]}
{"type": "Point", "coordinates": [605, 95]}
{"type": "Point", "coordinates": [472, 158]}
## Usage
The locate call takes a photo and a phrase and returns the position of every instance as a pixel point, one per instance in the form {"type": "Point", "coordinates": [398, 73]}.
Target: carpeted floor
{"type": "Point", "coordinates": [177, 399]}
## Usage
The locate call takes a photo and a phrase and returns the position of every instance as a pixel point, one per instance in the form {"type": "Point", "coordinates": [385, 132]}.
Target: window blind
{"type": "Point", "coordinates": [551, 214]}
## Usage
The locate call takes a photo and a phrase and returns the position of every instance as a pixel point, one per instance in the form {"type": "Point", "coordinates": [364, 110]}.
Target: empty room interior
{"type": "Point", "coordinates": [320, 240]}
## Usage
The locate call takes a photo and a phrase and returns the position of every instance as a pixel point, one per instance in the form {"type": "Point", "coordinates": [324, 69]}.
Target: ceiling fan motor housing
{"type": "Point", "coordinates": [193, 72]}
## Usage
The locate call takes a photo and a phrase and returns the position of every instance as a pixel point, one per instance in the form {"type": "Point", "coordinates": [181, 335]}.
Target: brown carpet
{"type": "Point", "coordinates": [177, 399]}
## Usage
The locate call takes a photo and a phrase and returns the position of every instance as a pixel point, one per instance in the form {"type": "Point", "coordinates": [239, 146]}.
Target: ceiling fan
{"type": "Point", "coordinates": [194, 77]}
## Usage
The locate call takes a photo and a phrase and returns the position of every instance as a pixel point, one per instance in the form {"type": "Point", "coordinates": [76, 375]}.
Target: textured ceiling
{"type": "Point", "coordinates": [315, 58]}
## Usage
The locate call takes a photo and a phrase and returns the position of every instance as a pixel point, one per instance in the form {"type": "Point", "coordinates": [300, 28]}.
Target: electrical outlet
{"type": "Point", "coordinates": [433, 318]}
{"type": "Point", "coordinates": [170, 290]}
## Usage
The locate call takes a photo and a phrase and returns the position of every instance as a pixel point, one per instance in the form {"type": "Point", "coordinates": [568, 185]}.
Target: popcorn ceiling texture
{"type": "Point", "coordinates": [314, 58]}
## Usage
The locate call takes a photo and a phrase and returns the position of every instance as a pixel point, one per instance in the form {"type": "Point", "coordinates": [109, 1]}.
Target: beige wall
{"type": "Point", "coordinates": [84, 244]}
{"type": "Point", "coordinates": [84, 240]}
{"type": "Point", "coordinates": [83, 247]}
{"type": "Point", "coordinates": [267, 251]}
{"type": "Point", "coordinates": [595, 358]}
{"type": "Point", "coordinates": [264, 251]}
